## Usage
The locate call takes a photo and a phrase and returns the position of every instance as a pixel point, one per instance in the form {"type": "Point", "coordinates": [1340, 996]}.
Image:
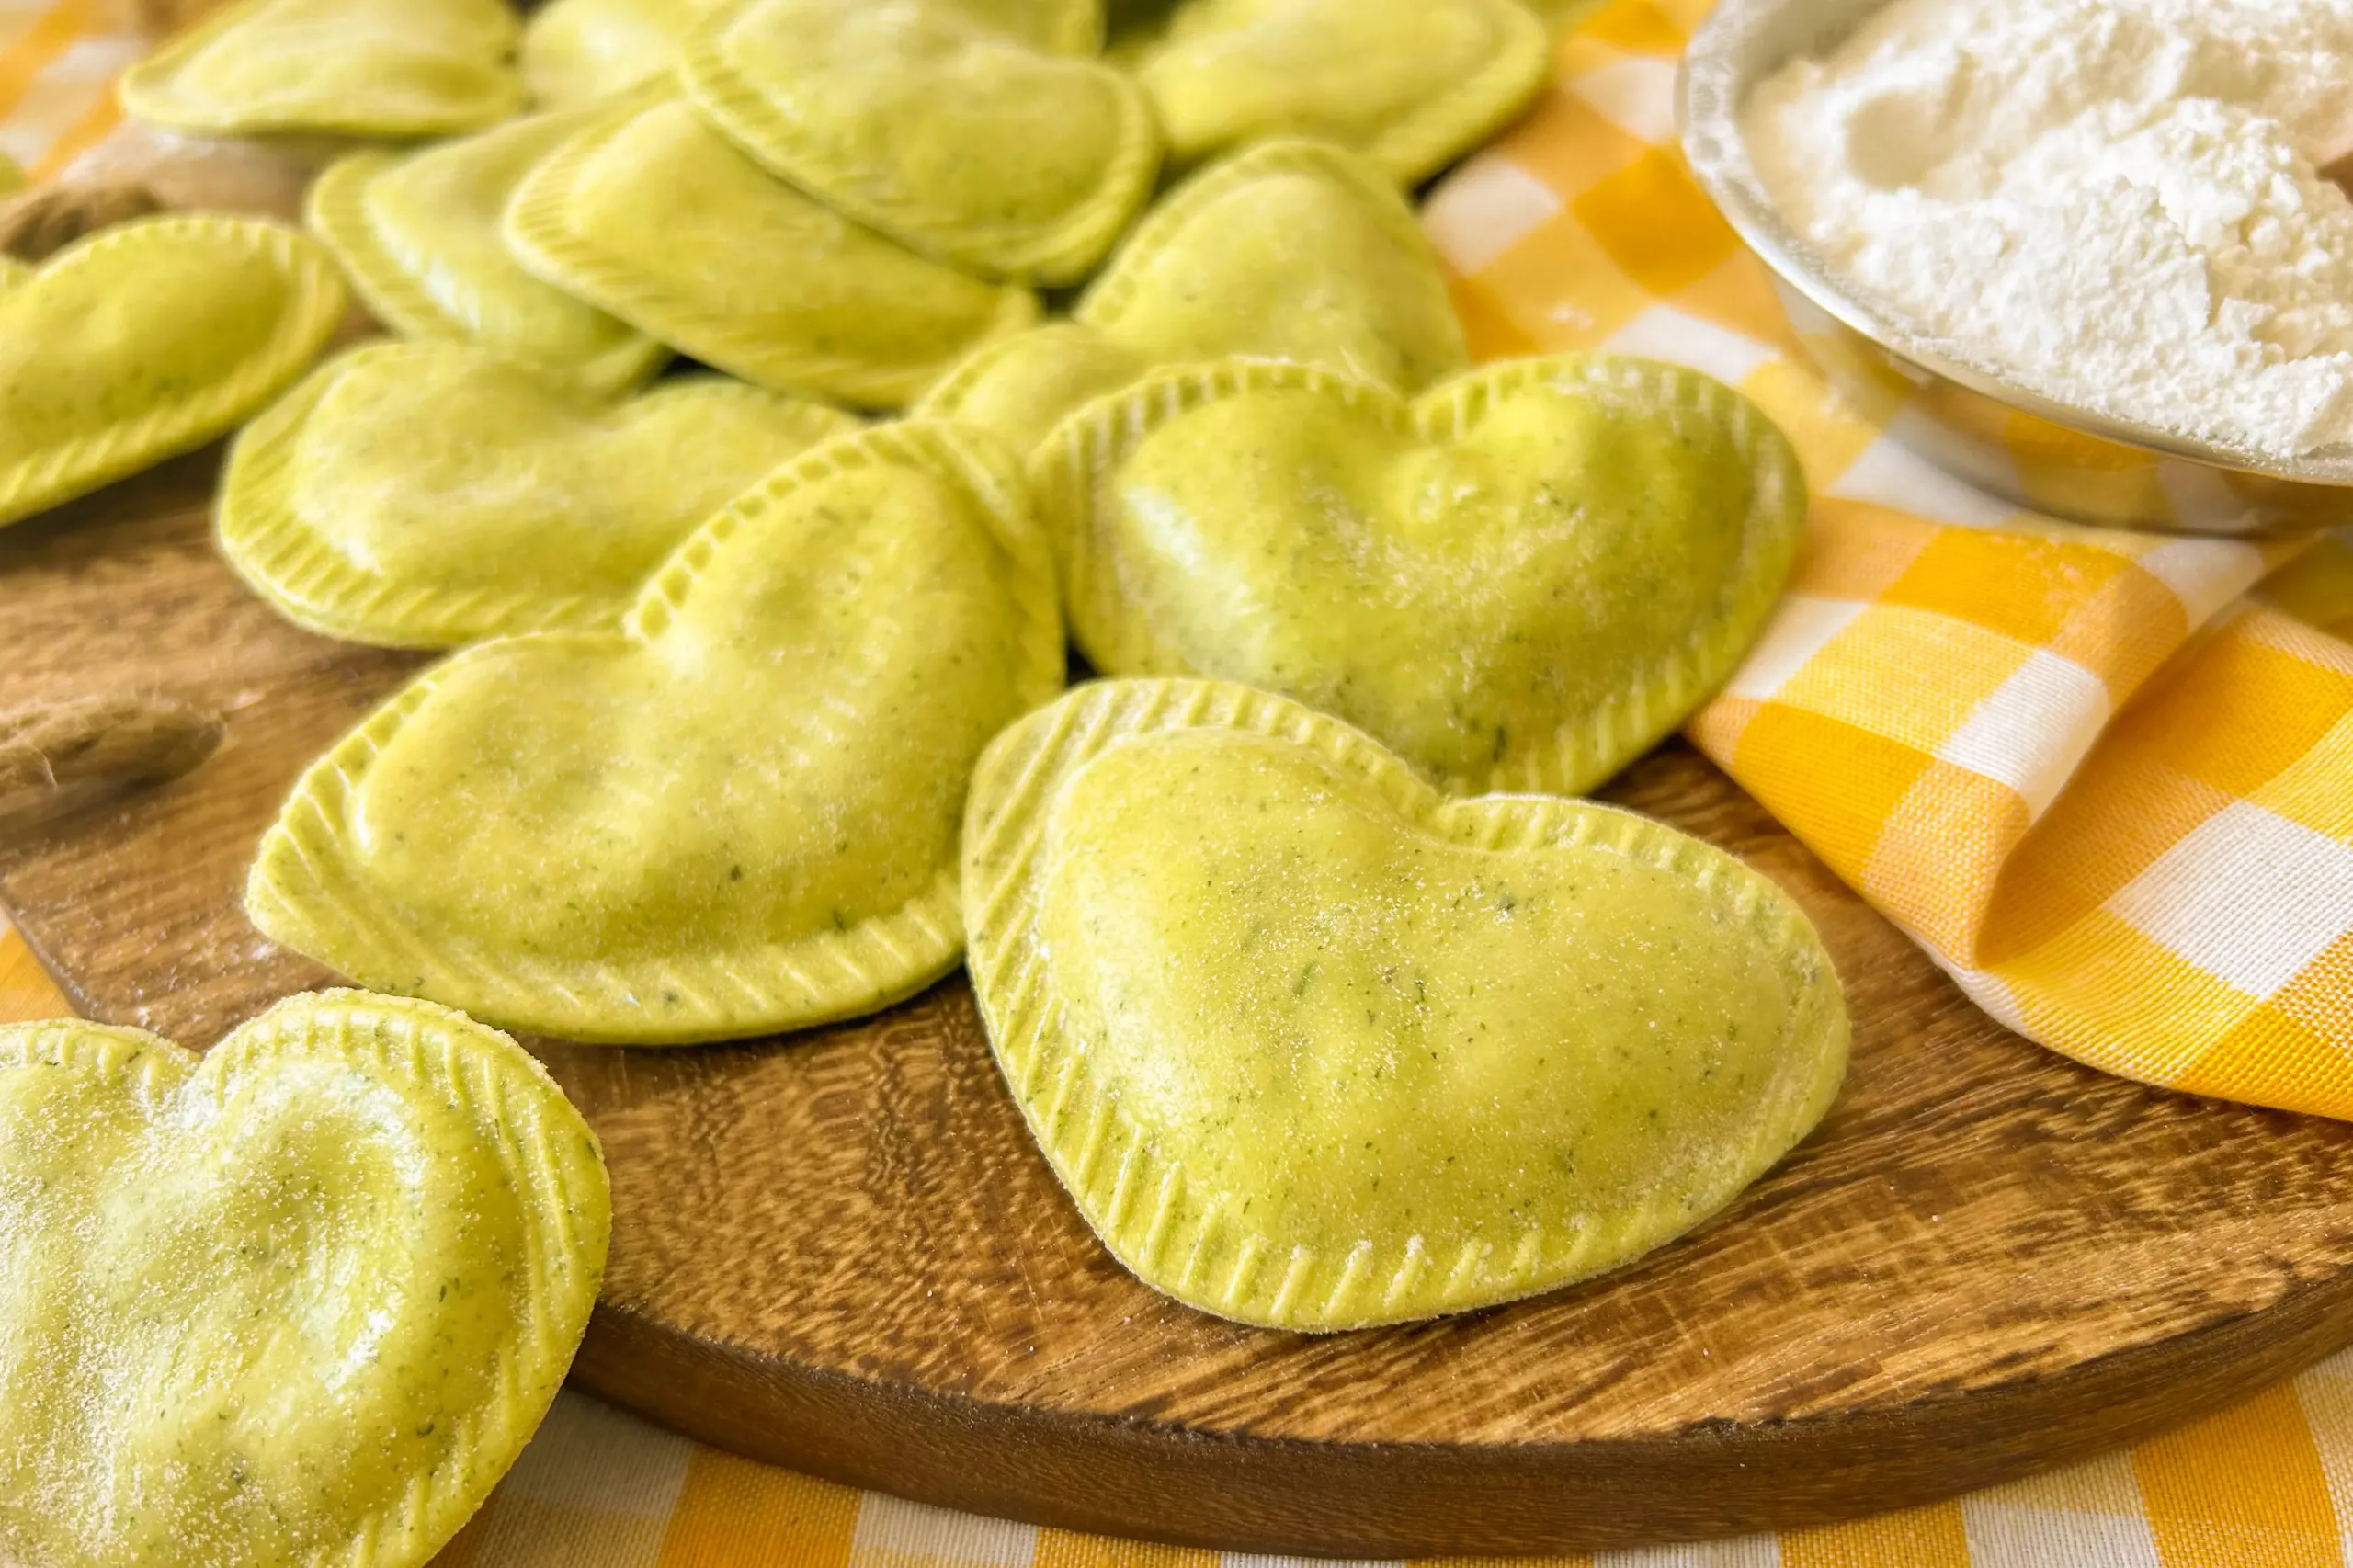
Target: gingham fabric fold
{"type": "Point", "coordinates": [2101, 777]}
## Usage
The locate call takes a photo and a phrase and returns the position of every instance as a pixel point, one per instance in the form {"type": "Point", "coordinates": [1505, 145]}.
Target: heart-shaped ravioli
{"type": "Point", "coordinates": [424, 495]}
{"type": "Point", "coordinates": [737, 815]}
{"type": "Point", "coordinates": [420, 236]}
{"type": "Point", "coordinates": [1413, 84]}
{"type": "Point", "coordinates": [1315, 1048]}
{"type": "Point", "coordinates": [1520, 581]}
{"type": "Point", "coordinates": [660, 220]}
{"type": "Point", "coordinates": [1291, 250]}
{"type": "Point", "coordinates": [927, 123]}
{"type": "Point", "coordinates": [353, 67]}
{"type": "Point", "coordinates": [150, 339]}
{"type": "Point", "coordinates": [299, 1300]}
{"type": "Point", "coordinates": [576, 51]}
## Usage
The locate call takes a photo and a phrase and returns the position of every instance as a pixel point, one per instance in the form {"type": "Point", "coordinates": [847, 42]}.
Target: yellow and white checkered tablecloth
{"type": "Point", "coordinates": [2101, 777]}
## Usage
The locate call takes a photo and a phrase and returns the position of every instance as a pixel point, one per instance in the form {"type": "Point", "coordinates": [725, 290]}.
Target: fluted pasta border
{"type": "Point", "coordinates": [1138, 1198]}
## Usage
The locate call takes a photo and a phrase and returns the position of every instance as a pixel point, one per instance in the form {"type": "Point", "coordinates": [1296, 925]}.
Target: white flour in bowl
{"type": "Point", "coordinates": [2114, 202]}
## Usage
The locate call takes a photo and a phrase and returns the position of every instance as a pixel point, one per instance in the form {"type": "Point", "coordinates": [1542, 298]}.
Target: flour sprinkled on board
{"type": "Point", "coordinates": [2116, 202]}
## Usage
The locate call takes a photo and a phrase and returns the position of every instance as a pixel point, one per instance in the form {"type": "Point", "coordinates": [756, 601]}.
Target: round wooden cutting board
{"type": "Point", "coordinates": [840, 1251]}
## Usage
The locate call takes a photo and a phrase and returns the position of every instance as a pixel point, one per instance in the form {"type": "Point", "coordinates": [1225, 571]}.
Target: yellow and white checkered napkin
{"type": "Point", "coordinates": [58, 62]}
{"type": "Point", "coordinates": [2101, 777]}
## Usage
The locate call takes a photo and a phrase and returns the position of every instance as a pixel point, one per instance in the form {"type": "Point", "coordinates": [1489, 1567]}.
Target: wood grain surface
{"type": "Point", "coordinates": [840, 1251]}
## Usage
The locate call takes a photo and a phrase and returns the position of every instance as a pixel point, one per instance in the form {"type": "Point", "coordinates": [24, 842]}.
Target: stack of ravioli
{"type": "Point", "coordinates": [768, 395]}
{"type": "Point", "coordinates": [772, 390]}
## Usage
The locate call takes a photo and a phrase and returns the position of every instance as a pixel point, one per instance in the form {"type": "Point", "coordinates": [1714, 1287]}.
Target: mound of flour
{"type": "Point", "coordinates": [2113, 201]}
